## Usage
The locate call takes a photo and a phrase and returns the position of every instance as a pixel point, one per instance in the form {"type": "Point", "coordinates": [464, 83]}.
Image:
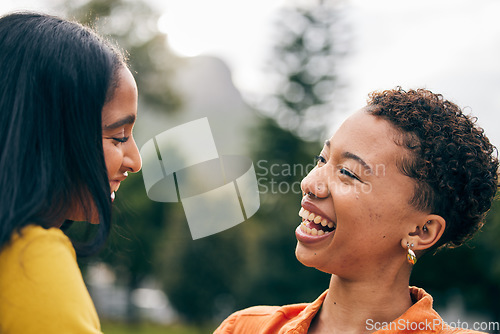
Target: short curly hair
{"type": "Point", "coordinates": [453, 163]}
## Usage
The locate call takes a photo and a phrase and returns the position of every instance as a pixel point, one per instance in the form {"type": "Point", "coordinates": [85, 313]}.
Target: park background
{"type": "Point", "coordinates": [275, 78]}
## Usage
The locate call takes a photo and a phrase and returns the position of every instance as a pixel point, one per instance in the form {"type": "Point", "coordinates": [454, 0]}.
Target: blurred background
{"type": "Point", "coordinates": [275, 78]}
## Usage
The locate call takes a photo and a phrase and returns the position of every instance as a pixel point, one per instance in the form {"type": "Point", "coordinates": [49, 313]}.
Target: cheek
{"type": "Point", "coordinates": [372, 219]}
{"type": "Point", "coordinates": [360, 213]}
{"type": "Point", "coordinates": [112, 157]}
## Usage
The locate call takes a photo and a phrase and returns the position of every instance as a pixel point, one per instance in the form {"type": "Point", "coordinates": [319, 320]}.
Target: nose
{"type": "Point", "coordinates": [316, 183]}
{"type": "Point", "coordinates": [132, 159]}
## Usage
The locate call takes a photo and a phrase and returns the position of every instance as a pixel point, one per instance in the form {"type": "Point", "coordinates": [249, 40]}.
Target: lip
{"type": "Point", "coordinates": [306, 204]}
{"type": "Point", "coordinates": [307, 238]}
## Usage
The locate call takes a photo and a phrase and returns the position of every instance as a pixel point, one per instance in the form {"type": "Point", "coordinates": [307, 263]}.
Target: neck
{"type": "Point", "coordinates": [351, 306]}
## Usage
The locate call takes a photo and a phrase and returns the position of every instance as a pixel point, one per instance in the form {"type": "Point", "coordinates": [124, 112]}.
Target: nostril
{"type": "Point", "coordinates": [320, 193]}
{"type": "Point", "coordinates": [312, 195]}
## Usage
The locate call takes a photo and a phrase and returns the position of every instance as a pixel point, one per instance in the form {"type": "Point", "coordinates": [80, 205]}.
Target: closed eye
{"type": "Point", "coordinates": [347, 173]}
{"type": "Point", "coordinates": [121, 140]}
{"type": "Point", "coordinates": [319, 159]}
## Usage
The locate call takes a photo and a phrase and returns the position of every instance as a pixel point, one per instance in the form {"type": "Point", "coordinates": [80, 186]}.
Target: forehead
{"type": "Point", "coordinates": [371, 138]}
{"type": "Point", "coordinates": [124, 99]}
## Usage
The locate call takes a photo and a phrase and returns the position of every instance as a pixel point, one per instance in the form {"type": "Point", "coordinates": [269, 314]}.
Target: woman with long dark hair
{"type": "Point", "coordinates": [68, 104]}
{"type": "Point", "coordinates": [407, 174]}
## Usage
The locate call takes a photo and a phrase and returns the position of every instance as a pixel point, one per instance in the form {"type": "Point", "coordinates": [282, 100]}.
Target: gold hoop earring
{"type": "Point", "coordinates": [411, 257]}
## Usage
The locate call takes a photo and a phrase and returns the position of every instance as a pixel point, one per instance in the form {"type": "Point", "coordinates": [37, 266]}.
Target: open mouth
{"type": "Point", "coordinates": [314, 224]}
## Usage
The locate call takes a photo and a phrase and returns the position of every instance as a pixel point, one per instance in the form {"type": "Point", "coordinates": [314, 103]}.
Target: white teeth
{"type": "Point", "coordinates": [113, 196]}
{"type": "Point", "coordinates": [314, 218]}
{"type": "Point", "coordinates": [311, 231]}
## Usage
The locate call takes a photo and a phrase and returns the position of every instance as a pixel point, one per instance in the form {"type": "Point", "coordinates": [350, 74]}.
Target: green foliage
{"type": "Point", "coordinates": [254, 262]}
{"type": "Point", "coordinates": [132, 26]}
{"type": "Point", "coordinates": [201, 276]}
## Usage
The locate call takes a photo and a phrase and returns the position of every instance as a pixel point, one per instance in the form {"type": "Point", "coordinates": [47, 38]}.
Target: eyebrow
{"type": "Point", "coordinates": [352, 156]}
{"type": "Point", "coordinates": [130, 119]}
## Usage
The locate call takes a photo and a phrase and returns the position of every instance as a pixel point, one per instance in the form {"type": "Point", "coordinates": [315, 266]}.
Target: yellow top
{"type": "Point", "coordinates": [41, 286]}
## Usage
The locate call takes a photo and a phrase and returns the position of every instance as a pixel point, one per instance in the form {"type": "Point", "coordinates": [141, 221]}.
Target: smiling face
{"type": "Point", "coordinates": [362, 201]}
{"type": "Point", "coordinates": [120, 150]}
{"type": "Point", "coordinates": [118, 119]}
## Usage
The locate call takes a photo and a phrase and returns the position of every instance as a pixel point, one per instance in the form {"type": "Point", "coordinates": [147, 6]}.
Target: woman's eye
{"type": "Point", "coordinates": [120, 139]}
{"type": "Point", "coordinates": [348, 173]}
{"type": "Point", "coordinates": [319, 160]}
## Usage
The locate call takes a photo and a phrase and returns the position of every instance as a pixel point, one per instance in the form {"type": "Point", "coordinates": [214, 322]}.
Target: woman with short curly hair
{"type": "Point", "coordinates": [408, 173]}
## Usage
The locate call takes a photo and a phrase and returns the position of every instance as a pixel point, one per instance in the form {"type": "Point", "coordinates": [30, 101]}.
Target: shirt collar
{"type": "Point", "coordinates": [420, 317]}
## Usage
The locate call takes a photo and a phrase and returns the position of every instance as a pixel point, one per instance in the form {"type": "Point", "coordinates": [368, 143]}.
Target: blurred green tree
{"type": "Point", "coordinates": [254, 262]}
{"type": "Point", "coordinates": [303, 68]}
{"type": "Point", "coordinates": [200, 276]}
{"type": "Point", "coordinates": [295, 118]}
{"type": "Point", "coordinates": [133, 25]}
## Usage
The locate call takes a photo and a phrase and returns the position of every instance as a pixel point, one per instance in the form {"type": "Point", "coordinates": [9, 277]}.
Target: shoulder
{"type": "Point", "coordinates": [34, 251]}
{"type": "Point", "coordinates": [41, 281]}
{"type": "Point", "coordinates": [422, 316]}
{"type": "Point", "coordinates": [35, 234]}
{"type": "Point", "coordinates": [246, 320]}
{"type": "Point", "coordinates": [33, 247]}
{"type": "Point", "coordinates": [259, 319]}
{"type": "Point", "coordinates": [271, 319]}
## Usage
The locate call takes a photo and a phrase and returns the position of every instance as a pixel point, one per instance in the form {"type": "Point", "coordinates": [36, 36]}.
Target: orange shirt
{"type": "Point", "coordinates": [295, 319]}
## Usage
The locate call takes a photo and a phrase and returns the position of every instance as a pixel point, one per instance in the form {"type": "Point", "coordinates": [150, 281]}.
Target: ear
{"type": "Point", "coordinates": [427, 233]}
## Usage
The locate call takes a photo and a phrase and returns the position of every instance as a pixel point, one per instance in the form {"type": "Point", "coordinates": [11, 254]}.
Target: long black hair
{"type": "Point", "coordinates": [55, 77]}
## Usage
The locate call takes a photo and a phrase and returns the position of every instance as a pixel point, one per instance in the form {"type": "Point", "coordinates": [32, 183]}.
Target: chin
{"type": "Point", "coordinates": [305, 256]}
{"type": "Point", "coordinates": [309, 258]}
